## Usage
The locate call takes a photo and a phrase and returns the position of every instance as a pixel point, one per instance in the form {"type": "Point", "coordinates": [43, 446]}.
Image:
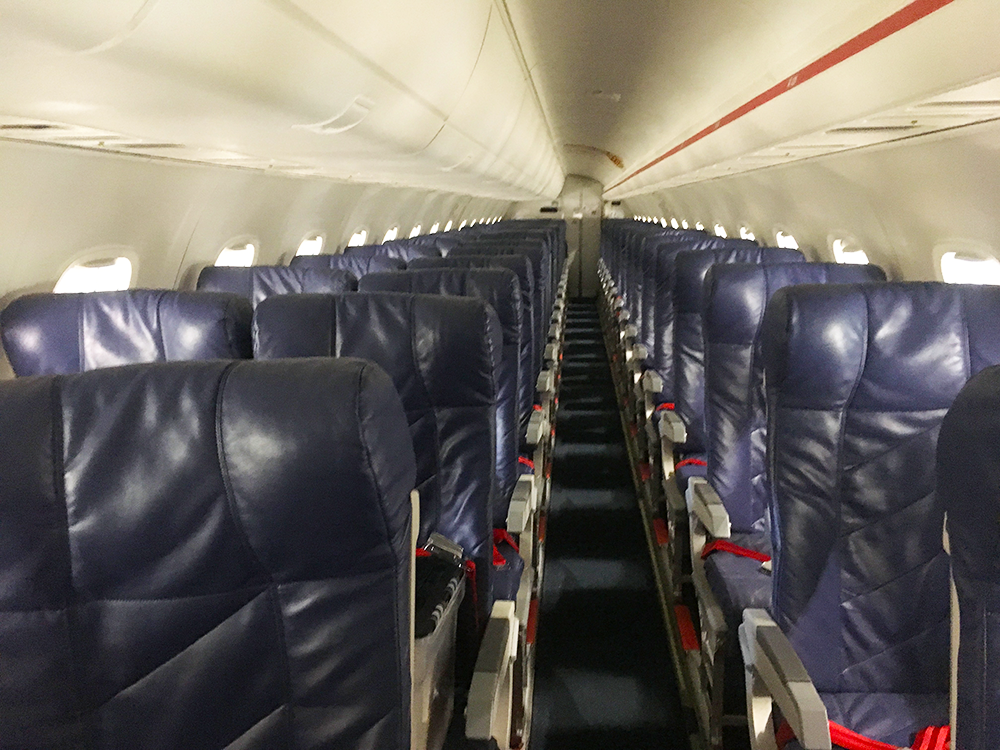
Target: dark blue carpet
{"type": "Point", "coordinates": [603, 672]}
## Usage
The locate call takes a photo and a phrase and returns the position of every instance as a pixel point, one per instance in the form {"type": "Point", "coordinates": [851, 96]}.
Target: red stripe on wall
{"type": "Point", "coordinates": [884, 28]}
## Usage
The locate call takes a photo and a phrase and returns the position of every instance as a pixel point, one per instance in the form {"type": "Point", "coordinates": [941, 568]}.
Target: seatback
{"type": "Point", "coordinates": [858, 379]}
{"type": "Point", "coordinates": [660, 316]}
{"type": "Point", "coordinates": [405, 250]}
{"type": "Point", "coordinates": [443, 354]}
{"type": "Point", "coordinates": [498, 288]}
{"type": "Point", "coordinates": [649, 258]}
{"type": "Point", "coordinates": [735, 296]}
{"type": "Point", "coordinates": [357, 264]}
{"type": "Point", "coordinates": [205, 554]}
{"type": "Point", "coordinates": [257, 283]}
{"type": "Point", "coordinates": [50, 334]}
{"type": "Point", "coordinates": [541, 263]}
{"type": "Point", "coordinates": [530, 305]}
{"type": "Point", "coordinates": [690, 267]}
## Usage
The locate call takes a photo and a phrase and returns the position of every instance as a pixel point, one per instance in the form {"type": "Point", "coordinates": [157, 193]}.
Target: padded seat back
{"type": "Point", "coordinates": [735, 297]}
{"type": "Point", "coordinates": [648, 261]}
{"type": "Point", "coordinates": [357, 264]}
{"type": "Point", "coordinates": [49, 334]}
{"type": "Point", "coordinates": [205, 554]}
{"type": "Point", "coordinates": [690, 268]}
{"type": "Point", "coordinates": [531, 327]}
{"type": "Point", "coordinates": [968, 471]}
{"type": "Point", "coordinates": [858, 379]}
{"type": "Point", "coordinates": [443, 354]}
{"type": "Point", "coordinates": [257, 283]}
{"type": "Point", "coordinates": [498, 288]}
{"type": "Point", "coordinates": [541, 263]}
{"type": "Point", "coordinates": [405, 250]}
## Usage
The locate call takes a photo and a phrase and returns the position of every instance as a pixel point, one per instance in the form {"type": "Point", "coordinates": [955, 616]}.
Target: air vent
{"type": "Point", "coordinates": [874, 129]}
{"type": "Point", "coordinates": [32, 126]}
{"type": "Point", "coordinates": [549, 209]}
{"type": "Point", "coordinates": [157, 146]}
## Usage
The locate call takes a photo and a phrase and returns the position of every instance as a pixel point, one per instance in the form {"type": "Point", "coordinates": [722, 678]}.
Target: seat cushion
{"type": "Point", "coordinates": [685, 471]}
{"type": "Point", "coordinates": [507, 575]}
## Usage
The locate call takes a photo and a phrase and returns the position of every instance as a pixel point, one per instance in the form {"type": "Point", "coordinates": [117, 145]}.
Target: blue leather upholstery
{"type": "Point", "coordinates": [498, 288]}
{"type": "Point", "coordinates": [403, 249]}
{"type": "Point", "coordinates": [649, 260]}
{"type": "Point", "coordinates": [260, 282]}
{"type": "Point", "coordinates": [968, 470]}
{"type": "Point", "coordinates": [205, 555]}
{"type": "Point", "coordinates": [690, 268]}
{"type": "Point", "coordinates": [48, 334]}
{"type": "Point", "coordinates": [443, 354]}
{"type": "Point", "coordinates": [357, 264]}
{"type": "Point", "coordinates": [735, 296]}
{"type": "Point", "coordinates": [532, 336]}
{"type": "Point", "coordinates": [858, 380]}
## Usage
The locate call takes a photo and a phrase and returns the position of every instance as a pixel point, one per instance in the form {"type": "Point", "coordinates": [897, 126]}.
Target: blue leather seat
{"type": "Point", "coordinates": [499, 288]}
{"type": "Point", "coordinates": [735, 296]}
{"type": "Point", "coordinates": [49, 334]}
{"type": "Point", "coordinates": [531, 343]}
{"type": "Point", "coordinates": [205, 554]}
{"type": "Point", "coordinates": [858, 380]}
{"type": "Point", "coordinates": [650, 258]}
{"type": "Point", "coordinates": [357, 264]}
{"type": "Point", "coordinates": [968, 481]}
{"type": "Point", "coordinates": [403, 249]}
{"type": "Point", "coordinates": [690, 268]}
{"type": "Point", "coordinates": [257, 283]}
{"type": "Point", "coordinates": [443, 354]}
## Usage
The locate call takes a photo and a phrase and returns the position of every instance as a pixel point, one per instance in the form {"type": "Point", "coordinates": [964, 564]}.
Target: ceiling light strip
{"type": "Point", "coordinates": [884, 28]}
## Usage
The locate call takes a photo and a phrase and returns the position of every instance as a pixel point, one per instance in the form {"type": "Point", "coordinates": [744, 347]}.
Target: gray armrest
{"type": "Point", "coordinates": [630, 332]}
{"type": "Point", "coordinates": [652, 382]}
{"type": "Point", "coordinates": [537, 428]}
{"type": "Point", "coordinates": [672, 427]}
{"type": "Point", "coordinates": [639, 353]}
{"type": "Point", "coordinates": [768, 652]}
{"type": "Point", "coordinates": [490, 691]}
{"type": "Point", "coordinates": [706, 504]}
{"type": "Point", "coordinates": [522, 504]}
{"type": "Point", "coordinates": [546, 382]}
{"type": "Point", "coordinates": [551, 352]}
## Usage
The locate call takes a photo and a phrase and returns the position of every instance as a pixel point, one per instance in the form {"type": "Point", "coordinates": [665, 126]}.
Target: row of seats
{"type": "Point", "coordinates": [809, 396]}
{"type": "Point", "coordinates": [460, 373]}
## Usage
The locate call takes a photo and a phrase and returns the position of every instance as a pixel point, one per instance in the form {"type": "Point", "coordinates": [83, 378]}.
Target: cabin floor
{"type": "Point", "coordinates": [603, 674]}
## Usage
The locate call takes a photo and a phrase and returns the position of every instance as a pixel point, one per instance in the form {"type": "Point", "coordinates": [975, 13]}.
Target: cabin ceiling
{"type": "Point", "coordinates": [493, 98]}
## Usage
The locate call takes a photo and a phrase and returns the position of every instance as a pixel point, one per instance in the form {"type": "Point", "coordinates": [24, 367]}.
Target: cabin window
{"type": "Point", "coordinates": [103, 275]}
{"type": "Point", "coordinates": [675, 224]}
{"type": "Point", "coordinates": [240, 254]}
{"type": "Point", "coordinates": [699, 226]}
{"type": "Point", "coordinates": [969, 268]}
{"type": "Point", "coordinates": [311, 245]}
{"type": "Point", "coordinates": [720, 231]}
{"type": "Point", "coordinates": [435, 226]}
{"type": "Point", "coordinates": [786, 241]}
{"type": "Point", "coordinates": [447, 227]}
{"type": "Point", "coordinates": [358, 239]}
{"type": "Point", "coordinates": [746, 234]}
{"type": "Point", "coordinates": [415, 231]}
{"type": "Point", "coordinates": [847, 251]}
{"type": "Point", "coordinates": [684, 224]}
{"type": "Point", "coordinates": [391, 235]}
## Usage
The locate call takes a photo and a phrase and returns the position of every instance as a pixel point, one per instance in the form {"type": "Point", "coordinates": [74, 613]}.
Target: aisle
{"type": "Point", "coordinates": [603, 673]}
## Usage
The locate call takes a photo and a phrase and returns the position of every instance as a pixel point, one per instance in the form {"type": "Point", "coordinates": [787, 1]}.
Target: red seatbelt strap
{"type": "Point", "coordinates": [668, 406]}
{"type": "Point", "coordinates": [470, 574]}
{"type": "Point", "coordinates": [929, 738]}
{"type": "Point", "coordinates": [502, 535]}
{"type": "Point", "coordinates": [524, 460]}
{"type": "Point", "coordinates": [724, 545]}
{"type": "Point", "coordinates": [690, 462]}
{"type": "Point", "coordinates": [421, 552]}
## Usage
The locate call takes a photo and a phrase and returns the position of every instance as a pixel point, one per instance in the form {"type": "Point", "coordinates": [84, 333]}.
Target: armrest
{"type": "Point", "coordinates": [639, 353]}
{"type": "Point", "coordinates": [768, 652]}
{"type": "Point", "coordinates": [624, 316]}
{"type": "Point", "coordinates": [672, 427]}
{"type": "Point", "coordinates": [522, 504]}
{"type": "Point", "coordinates": [618, 303]}
{"type": "Point", "coordinates": [554, 331]}
{"type": "Point", "coordinates": [706, 504]}
{"type": "Point", "coordinates": [546, 382]}
{"type": "Point", "coordinates": [630, 332]}
{"type": "Point", "coordinates": [652, 382]}
{"type": "Point", "coordinates": [536, 428]}
{"type": "Point", "coordinates": [491, 681]}
{"type": "Point", "coordinates": [551, 352]}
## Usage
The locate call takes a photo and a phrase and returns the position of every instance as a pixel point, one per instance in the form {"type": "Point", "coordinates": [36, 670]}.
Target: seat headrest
{"type": "Point", "coordinates": [47, 334]}
{"type": "Point", "coordinates": [691, 266]}
{"type": "Point", "coordinates": [188, 527]}
{"type": "Point", "coordinates": [358, 264]}
{"type": "Point", "coordinates": [257, 283]}
{"type": "Point", "coordinates": [403, 249]}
